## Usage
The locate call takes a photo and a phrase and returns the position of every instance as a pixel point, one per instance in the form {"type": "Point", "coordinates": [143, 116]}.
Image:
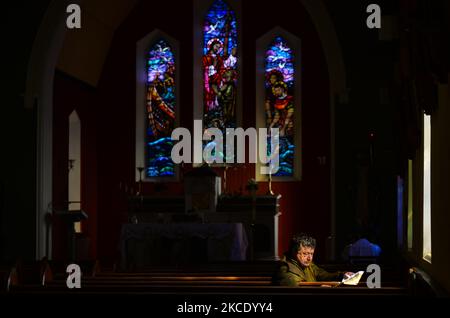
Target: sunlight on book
{"type": "Point", "coordinates": [353, 279]}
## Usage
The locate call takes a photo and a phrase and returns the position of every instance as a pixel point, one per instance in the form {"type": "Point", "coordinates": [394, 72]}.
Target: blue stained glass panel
{"type": "Point", "coordinates": [219, 62]}
{"type": "Point", "coordinates": [279, 101]}
{"type": "Point", "coordinates": [161, 107]}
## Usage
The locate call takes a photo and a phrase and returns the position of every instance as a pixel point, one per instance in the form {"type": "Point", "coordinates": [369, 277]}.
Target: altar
{"type": "Point", "coordinates": [257, 218]}
{"type": "Point", "coordinates": [149, 244]}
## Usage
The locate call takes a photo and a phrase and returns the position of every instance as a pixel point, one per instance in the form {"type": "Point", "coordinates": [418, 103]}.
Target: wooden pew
{"type": "Point", "coordinates": [218, 279]}
{"type": "Point", "coordinates": [423, 285]}
{"type": "Point", "coordinates": [236, 290]}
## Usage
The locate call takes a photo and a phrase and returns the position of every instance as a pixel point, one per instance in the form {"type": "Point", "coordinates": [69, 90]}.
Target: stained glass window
{"type": "Point", "coordinates": [160, 110]}
{"type": "Point", "coordinates": [219, 68]}
{"type": "Point", "coordinates": [279, 100]}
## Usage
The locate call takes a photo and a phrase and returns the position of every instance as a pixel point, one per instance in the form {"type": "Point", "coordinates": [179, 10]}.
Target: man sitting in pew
{"type": "Point", "coordinates": [297, 265]}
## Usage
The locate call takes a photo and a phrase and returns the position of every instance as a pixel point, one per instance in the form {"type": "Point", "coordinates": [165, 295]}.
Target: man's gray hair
{"type": "Point", "coordinates": [299, 240]}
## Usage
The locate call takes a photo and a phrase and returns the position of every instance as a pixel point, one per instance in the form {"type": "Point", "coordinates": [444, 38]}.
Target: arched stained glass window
{"type": "Point", "coordinates": [219, 66]}
{"type": "Point", "coordinates": [160, 111]}
{"type": "Point", "coordinates": [279, 100]}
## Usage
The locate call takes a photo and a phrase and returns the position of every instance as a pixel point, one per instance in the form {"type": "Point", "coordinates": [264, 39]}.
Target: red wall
{"type": "Point", "coordinates": [110, 115]}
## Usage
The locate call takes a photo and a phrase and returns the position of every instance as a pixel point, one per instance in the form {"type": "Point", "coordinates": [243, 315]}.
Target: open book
{"type": "Point", "coordinates": [353, 279]}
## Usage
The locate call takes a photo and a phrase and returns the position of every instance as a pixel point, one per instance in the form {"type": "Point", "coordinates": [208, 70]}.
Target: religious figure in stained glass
{"type": "Point", "coordinates": [219, 67]}
{"type": "Point", "coordinates": [160, 110]}
{"type": "Point", "coordinates": [279, 101]}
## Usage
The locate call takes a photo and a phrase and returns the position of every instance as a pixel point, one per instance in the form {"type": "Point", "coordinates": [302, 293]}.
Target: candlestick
{"type": "Point", "coordinates": [225, 180]}
{"type": "Point", "coordinates": [140, 169]}
{"type": "Point", "coordinates": [269, 191]}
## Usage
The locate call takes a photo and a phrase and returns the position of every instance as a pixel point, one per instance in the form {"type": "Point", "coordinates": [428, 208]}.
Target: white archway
{"type": "Point", "coordinates": [338, 88]}
{"type": "Point", "coordinates": [39, 93]}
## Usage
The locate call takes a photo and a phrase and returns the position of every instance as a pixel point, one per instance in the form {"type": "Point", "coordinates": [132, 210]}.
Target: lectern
{"type": "Point", "coordinates": [70, 217]}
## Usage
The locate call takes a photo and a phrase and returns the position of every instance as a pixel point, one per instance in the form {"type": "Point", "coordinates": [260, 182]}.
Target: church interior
{"type": "Point", "coordinates": [357, 94]}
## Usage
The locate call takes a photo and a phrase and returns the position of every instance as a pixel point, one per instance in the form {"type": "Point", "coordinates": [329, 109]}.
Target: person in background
{"type": "Point", "coordinates": [297, 264]}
